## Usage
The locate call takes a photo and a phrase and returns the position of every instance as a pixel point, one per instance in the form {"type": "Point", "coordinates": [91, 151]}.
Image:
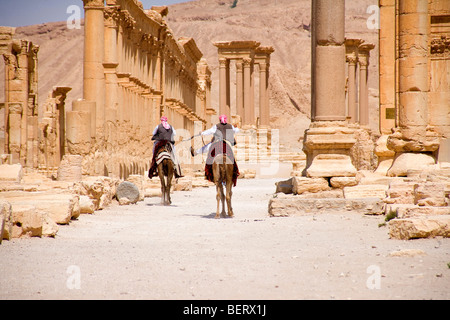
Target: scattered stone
{"type": "Point", "coordinates": [303, 184]}
{"type": "Point", "coordinates": [86, 205]}
{"type": "Point", "coordinates": [127, 190]}
{"type": "Point", "coordinates": [284, 186]}
{"type": "Point", "coordinates": [295, 206]}
{"type": "Point", "coordinates": [407, 253]}
{"type": "Point", "coordinates": [408, 161]}
{"type": "Point", "coordinates": [341, 182]}
{"type": "Point", "coordinates": [366, 191]}
{"type": "Point", "coordinates": [413, 228]}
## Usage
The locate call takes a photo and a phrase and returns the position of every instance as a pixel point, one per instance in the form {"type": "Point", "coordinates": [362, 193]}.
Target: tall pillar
{"type": "Point", "coordinates": [251, 119]}
{"type": "Point", "coordinates": [363, 58]}
{"type": "Point", "coordinates": [328, 60]}
{"type": "Point", "coordinates": [411, 135]}
{"type": "Point", "coordinates": [93, 74]}
{"type": "Point", "coordinates": [240, 89]}
{"type": "Point", "coordinates": [224, 85]}
{"type": "Point", "coordinates": [263, 96]}
{"type": "Point", "coordinates": [351, 46]}
{"type": "Point", "coordinates": [328, 140]}
{"type": "Point", "coordinates": [247, 87]}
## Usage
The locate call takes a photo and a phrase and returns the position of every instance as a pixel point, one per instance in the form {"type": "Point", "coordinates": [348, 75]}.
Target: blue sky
{"type": "Point", "coordinates": [16, 13]}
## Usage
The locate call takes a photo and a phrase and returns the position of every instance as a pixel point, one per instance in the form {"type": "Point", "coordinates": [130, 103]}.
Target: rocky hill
{"type": "Point", "coordinates": [283, 24]}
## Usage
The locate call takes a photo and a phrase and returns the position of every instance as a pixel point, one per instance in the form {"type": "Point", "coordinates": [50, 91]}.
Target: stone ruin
{"type": "Point", "coordinates": [410, 181]}
{"type": "Point", "coordinates": [59, 162]}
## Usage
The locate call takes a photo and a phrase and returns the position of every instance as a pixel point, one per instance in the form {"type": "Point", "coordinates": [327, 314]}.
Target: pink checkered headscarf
{"type": "Point", "coordinates": [164, 123]}
{"type": "Point", "coordinates": [223, 119]}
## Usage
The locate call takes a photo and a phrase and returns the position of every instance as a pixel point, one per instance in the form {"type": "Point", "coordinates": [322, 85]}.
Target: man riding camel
{"type": "Point", "coordinates": [164, 131]}
{"type": "Point", "coordinates": [221, 131]}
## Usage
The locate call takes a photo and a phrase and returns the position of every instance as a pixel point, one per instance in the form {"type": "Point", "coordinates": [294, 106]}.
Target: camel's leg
{"type": "Point", "coordinates": [218, 197]}
{"type": "Point", "coordinates": [229, 193]}
{"type": "Point", "coordinates": [222, 197]}
{"type": "Point", "coordinates": [170, 172]}
{"type": "Point", "coordinates": [163, 183]}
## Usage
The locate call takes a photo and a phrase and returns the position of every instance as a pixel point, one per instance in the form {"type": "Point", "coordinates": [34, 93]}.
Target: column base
{"type": "Point", "coordinates": [409, 161]}
{"type": "Point", "coordinates": [327, 146]}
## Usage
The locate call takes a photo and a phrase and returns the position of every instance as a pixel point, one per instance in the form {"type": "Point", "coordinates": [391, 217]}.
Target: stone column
{"type": "Point", "coordinates": [328, 60]}
{"type": "Point", "coordinates": [264, 120]}
{"type": "Point", "coordinates": [328, 140]}
{"type": "Point", "coordinates": [247, 87]}
{"type": "Point", "coordinates": [412, 135]}
{"type": "Point", "coordinates": [351, 46]}
{"type": "Point", "coordinates": [387, 65]}
{"type": "Point", "coordinates": [239, 89]}
{"type": "Point", "coordinates": [224, 85]}
{"type": "Point", "coordinates": [93, 74]}
{"type": "Point", "coordinates": [363, 58]}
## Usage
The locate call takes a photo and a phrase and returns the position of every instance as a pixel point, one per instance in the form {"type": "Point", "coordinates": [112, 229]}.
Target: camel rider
{"type": "Point", "coordinates": [221, 131]}
{"type": "Point", "coordinates": [164, 131]}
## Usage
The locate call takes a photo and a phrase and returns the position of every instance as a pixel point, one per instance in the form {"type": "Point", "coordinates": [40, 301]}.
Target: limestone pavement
{"type": "Point", "coordinates": [148, 251]}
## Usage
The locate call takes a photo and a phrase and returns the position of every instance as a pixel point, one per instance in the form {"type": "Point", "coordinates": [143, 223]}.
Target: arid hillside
{"type": "Point", "coordinates": [283, 24]}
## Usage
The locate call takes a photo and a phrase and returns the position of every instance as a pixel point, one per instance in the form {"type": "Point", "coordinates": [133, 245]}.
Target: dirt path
{"type": "Point", "coordinates": [147, 251]}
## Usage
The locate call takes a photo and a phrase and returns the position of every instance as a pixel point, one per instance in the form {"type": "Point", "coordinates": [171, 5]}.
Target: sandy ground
{"type": "Point", "coordinates": [148, 251]}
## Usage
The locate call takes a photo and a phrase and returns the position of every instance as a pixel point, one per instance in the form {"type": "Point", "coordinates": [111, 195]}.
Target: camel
{"type": "Point", "coordinates": [222, 168]}
{"type": "Point", "coordinates": [165, 170]}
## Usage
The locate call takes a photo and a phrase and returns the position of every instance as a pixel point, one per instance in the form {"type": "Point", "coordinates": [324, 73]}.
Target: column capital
{"type": "Point", "coordinates": [112, 16]}
{"type": "Point", "coordinates": [239, 65]}
{"type": "Point", "coordinates": [93, 4]}
{"type": "Point", "coordinates": [224, 62]}
{"type": "Point", "coordinates": [247, 62]}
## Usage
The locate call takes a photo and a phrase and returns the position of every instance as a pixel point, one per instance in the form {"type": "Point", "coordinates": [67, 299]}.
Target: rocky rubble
{"type": "Point", "coordinates": [33, 205]}
{"type": "Point", "coordinates": [415, 206]}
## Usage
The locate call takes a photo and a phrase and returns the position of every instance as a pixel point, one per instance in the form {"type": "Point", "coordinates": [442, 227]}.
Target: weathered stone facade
{"type": "Point", "coordinates": [414, 73]}
{"type": "Point", "coordinates": [134, 72]}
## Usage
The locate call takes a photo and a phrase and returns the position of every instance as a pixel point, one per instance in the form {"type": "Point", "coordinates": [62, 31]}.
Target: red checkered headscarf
{"type": "Point", "coordinates": [164, 123]}
{"type": "Point", "coordinates": [223, 119]}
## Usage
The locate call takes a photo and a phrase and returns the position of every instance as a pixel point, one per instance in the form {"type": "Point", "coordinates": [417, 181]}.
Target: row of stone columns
{"type": "Point", "coordinates": [357, 55]}
{"type": "Point", "coordinates": [134, 72]}
{"type": "Point", "coordinates": [246, 55]}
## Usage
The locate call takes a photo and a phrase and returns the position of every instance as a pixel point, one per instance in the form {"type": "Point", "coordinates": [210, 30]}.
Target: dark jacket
{"type": "Point", "coordinates": [224, 132]}
{"type": "Point", "coordinates": [163, 134]}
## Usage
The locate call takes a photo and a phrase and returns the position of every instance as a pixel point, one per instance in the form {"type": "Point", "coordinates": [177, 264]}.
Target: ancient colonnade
{"type": "Point", "coordinates": [357, 54]}
{"type": "Point", "coordinates": [414, 78]}
{"type": "Point", "coordinates": [134, 71]}
{"type": "Point", "coordinates": [246, 54]}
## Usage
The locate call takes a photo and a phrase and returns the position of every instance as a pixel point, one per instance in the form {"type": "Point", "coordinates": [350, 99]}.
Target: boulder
{"type": "Point", "coordinates": [341, 182]}
{"type": "Point", "coordinates": [128, 190]}
{"type": "Point", "coordinates": [410, 161]}
{"type": "Point", "coordinates": [100, 189]}
{"type": "Point", "coordinates": [420, 227]}
{"type": "Point", "coordinates": [86, 205]}
{"type": "Point", "coordinates": [27, 221]}
{"type": "Point", "coordinates": [5, 221]}
{"type": "Point", "coordinates": [284, 186]}
{"type": "Point", "coordinates": [304, 184]}
{"type": "Point", "coordinates": [138, 181]}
